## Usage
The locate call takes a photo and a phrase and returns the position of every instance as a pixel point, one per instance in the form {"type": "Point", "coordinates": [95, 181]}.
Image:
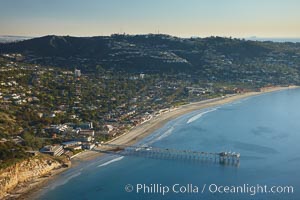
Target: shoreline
{"type": "Point", "coordinates": [141, 131]}
{"type": "Point", "coordinates": [31, 189]}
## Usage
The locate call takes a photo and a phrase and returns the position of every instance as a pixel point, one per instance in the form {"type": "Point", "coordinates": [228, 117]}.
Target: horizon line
{"type": "Point", "coordinates": [132, 34]}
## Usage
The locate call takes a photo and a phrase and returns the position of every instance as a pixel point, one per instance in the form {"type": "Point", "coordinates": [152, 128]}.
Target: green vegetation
{"type": "Point", "coordinates": [10, 153]}
{"type": "Point", "coordinates": [211, 59]}
{"type": "Point", "coordinates": [125, 80]}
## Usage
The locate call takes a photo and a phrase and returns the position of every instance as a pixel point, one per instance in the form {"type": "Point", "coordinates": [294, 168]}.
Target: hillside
{"type": "Point", "coordinates": [212, 59]}
{"type": "Point", "coordinates": [25, 175]}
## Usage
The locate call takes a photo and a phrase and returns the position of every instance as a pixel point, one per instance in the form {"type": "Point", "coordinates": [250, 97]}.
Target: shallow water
{"type": "Point", "coordinates": [265, 129]}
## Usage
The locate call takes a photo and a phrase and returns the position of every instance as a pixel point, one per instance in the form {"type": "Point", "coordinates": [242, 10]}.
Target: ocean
{"type": "Point", "coordinates": [264, 129]}
{"type": "Point", "coordinates": [293, 40]}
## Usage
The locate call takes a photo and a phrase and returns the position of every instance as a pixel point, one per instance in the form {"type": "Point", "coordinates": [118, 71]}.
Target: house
{"type": "Point", "coordinates": [53, 150]}
{"type": "Point", "coordinates": [18, 140]}
{"type": "Point", "coordinates": [85, 138]}
{"type": "Point", "coordinates": [87, 133]}
{"type": "Point", "coordinates": [57, 128]}
{"type": "Point", "coordinates": [33, 153]}
{"type": "Point", "coordinates": [88, 146]}
{"type": "Point", "coordinates": [86, 125]}
{"type": "Point", "coordinates": [77, 147]}
{"type": "Point", "coordinates": [3, 140]}
{"type": "Point", "coordinates": [71, 143]}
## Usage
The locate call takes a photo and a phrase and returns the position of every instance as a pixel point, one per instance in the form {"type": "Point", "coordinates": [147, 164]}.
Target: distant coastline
{"type": "Point", "coordinates": [263, 39]}
{"type": "Point", "coordinates": [141, 131]}
{"type": "Point", "coordinates": [15, 38]}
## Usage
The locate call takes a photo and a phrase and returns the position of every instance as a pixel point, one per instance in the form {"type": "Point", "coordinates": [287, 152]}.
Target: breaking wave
{"type": "Point", "coordinates": [64, 181]}
{"type": "Point", "coordinates": [111, 161]}
{"type": "Point", "coordinates": [160, 136]}
{"type": "Point", "coordinates": [194, 118]}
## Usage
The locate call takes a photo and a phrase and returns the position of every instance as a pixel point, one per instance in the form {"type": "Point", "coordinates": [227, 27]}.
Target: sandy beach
{"type": "Point", "coordinates": [141, 131]}
{"type": "Point", "coordinates": [29, 190]}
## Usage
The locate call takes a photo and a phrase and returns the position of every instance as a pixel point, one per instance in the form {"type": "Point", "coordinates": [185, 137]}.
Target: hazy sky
{"type": "Point", "coordinates": [237, 18]}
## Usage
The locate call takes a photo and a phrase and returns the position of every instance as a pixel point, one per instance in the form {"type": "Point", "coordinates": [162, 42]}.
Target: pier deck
{"type": "Point", "coordinates": [225, 158]}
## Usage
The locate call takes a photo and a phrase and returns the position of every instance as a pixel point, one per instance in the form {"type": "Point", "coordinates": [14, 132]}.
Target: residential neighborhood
{"type": "Point", "coordinates": [72, 103]}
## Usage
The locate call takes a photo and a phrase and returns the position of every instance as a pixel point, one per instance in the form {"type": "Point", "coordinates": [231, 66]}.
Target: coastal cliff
{"type": "Point", "coordinates": [24, 172]}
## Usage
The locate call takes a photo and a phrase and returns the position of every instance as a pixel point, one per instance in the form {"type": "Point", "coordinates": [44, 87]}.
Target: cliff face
{"type": "Point", "coordinates": [25, 171]}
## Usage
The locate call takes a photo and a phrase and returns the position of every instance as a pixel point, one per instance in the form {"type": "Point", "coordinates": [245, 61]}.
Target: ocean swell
{"type": "Point", "coordinates": [111, 161]}
{"type": "Point", "coordinates": [194, 118]}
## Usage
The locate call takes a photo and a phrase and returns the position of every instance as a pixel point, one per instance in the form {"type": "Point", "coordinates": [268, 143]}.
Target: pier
{"type": "Point", "coordinates": [224, 158]}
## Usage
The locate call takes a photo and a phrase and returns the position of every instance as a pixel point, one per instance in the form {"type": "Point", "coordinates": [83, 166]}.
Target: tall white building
{"type": "Point", "coordinates": [77, 73]}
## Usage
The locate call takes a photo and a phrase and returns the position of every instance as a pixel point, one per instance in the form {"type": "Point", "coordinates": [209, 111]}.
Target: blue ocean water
{"type": "Point", "coordinates": [265, 129]}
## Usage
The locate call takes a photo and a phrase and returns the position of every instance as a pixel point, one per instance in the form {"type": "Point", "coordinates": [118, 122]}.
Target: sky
{"type": "Point", "coordinates": [183, 18]}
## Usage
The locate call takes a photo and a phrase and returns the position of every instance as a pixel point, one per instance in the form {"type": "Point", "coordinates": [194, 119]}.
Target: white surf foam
{"type": "Point", "coordinates": [164, 135]}
{"type": "Point", "coordinates": [64, 181]}
{"type": "Point", "coordinates": [194, 118]}
{"type": "Point", "coordinates": [111, 161]}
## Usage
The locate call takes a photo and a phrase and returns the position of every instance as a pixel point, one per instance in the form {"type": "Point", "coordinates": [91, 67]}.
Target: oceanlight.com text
{"type": "Point", "coordinates": [208, 188]}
